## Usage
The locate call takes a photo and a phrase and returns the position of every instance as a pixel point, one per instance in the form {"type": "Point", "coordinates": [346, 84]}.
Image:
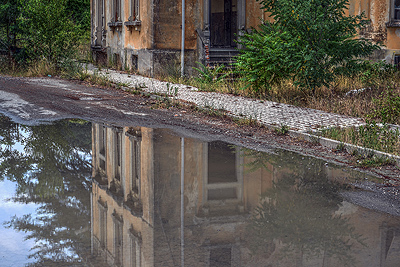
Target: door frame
{"type": "Point", "coordinates": [241, 17]}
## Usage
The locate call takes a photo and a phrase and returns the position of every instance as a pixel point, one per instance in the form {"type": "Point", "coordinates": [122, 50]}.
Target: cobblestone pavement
{"type": "Point", "coordinates": [267, 112]}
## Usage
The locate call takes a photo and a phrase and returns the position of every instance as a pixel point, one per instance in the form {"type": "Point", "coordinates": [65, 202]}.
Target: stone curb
{"type": "Point", "coordinates": [350, 148]}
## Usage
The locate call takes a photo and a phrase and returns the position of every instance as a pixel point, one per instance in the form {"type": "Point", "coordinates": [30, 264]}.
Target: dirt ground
{"type": "Point", "coordinates": [39, 100]}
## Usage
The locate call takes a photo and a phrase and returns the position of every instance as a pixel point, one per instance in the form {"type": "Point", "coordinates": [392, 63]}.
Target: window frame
{"type": "Point", "coordinates": [393, 22]}
{"type": "Point", "coordinates": [134, 21]}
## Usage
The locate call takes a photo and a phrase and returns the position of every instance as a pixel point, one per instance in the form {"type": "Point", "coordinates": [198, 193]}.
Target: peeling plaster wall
{"type": "Point", "coordinates": [153, 48]}
{"type": "Point", "coordinates": [254, 14]}
{"type": "Point", "coordinates": [379, 13]}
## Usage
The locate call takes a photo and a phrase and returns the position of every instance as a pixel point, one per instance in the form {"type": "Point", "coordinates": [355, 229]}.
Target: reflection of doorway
{"type": "Point", "coordinates": [223, 23]}
{"type": "Point", "coordinates": [223, 179]}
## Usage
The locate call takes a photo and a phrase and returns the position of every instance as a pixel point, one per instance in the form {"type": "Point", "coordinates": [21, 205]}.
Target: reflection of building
{"type": "Point", "coordinates": [137, 214]}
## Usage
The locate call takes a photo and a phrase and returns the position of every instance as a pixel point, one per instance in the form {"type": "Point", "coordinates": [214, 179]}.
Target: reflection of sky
{"type": "Point", "coordinates": [13, 249]}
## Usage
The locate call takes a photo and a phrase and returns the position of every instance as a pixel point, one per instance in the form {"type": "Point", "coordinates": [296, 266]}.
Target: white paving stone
{"type": "Point", "coordinates": [267, 112]}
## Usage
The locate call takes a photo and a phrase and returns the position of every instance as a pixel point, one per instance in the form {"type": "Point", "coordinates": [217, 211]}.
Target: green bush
{"type": "Point", "coordinates": [49, 31]}
{"type": "Point", "coordinates": [309, 41]}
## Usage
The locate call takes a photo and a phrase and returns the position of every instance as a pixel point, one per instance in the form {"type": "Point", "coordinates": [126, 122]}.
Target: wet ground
{"type": "Point", "coordinates": [77, 193]}
{"type": "Point", "coordinates": [109, 190]}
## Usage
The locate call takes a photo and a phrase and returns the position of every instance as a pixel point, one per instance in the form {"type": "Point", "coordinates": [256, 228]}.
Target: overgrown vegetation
{"type": "Point", "coordinates": [309, 42]}
{"type": "Point", "coordinates": [38, 36]}
{"type": "Point", "coordinates": [371, 135]}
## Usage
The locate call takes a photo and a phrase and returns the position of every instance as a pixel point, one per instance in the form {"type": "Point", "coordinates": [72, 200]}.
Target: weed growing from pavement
{"type": "Point", "coordinates": [371, 135]}
{"type": "Point", "coordinates": [172, 90]}
{"type": "Point", "coordinates": [247, 121]}
{"type": "Point", "coordinates": [210, 75]}
{"type": "Point", "coordinates": [371, 160]}
{"type": "Point", "coordinates": [353, 96]}
{"type": "Point", "coordinates": [283, 130]}
{"type": "Point", "coordinates": [341, 147]}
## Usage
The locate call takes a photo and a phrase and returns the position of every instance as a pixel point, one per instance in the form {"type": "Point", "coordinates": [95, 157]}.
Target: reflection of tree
{"type": "Point", "coordinates": [298, 212]}
{"type": "Point", "coordinates": [52, 170]}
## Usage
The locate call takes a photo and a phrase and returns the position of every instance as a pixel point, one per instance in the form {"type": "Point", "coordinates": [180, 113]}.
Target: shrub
{"type": "Point", "coordinates": [309, 41]}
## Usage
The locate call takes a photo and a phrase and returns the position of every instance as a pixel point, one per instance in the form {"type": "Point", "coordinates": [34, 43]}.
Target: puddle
{"type": "Point", "coordinates": [79, 194]}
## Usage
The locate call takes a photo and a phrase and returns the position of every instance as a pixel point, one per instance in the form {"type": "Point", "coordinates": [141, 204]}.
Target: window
{"type": "Point", "coordinates": [116, 20]}
{"type": "Point", "coordinates": [396, 10]}
{"type": "Point", "coordinates": [134, 10]}
{"type": "Point", "coordinates": [134, 17]}
{"type": "Point", "coordinates": [394, 20]}
{"type": "Point", "coordinates": [116, 11]}
{"type": "Point", "coordinates": [98, 10]}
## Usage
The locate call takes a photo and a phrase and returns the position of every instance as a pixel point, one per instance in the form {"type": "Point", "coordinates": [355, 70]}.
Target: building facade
{"type": "Point", "coordinates": [145, 36]}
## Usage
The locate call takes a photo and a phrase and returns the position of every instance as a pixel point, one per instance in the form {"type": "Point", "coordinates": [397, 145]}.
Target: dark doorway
{"type": "Point", "coordinates": [223, 23]}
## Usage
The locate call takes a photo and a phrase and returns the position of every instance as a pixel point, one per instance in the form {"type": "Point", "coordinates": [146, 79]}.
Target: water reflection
{"type": "Point", "coordinates": [240, 207]}
{"type": "Point", "coordinates": [50, 166]}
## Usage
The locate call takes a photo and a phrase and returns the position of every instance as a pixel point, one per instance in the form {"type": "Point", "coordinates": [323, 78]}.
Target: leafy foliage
{"type": "Point", "coordinates": [371, 135]}
{"type": "Point", "coordinates": [388, 107]}
{"type": "Point", "coordinates": [38, 30]}
{"type": "Point", "coordinates": [308, 41]}
{"type": "Point", "coordinates": [210, 75]}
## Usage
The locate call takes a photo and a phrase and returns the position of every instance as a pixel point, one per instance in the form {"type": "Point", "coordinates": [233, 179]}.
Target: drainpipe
{"type": "Point", "coordinates": [183, 40]}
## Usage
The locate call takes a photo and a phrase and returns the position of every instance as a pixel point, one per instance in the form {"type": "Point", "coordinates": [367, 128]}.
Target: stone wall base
{"type": "Point", "coordinates": [149, 62]}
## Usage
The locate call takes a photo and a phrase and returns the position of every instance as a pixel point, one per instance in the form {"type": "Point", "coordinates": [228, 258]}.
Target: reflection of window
{"type": "Point", "coordinates": [135, 248]}
{"type": "Point", "coordinates": [102, 147]}
{"type": "Point", "coordinates": [390, 242]}
{"type": "Point", "coordinates": [102, 223]}
{"type": "Point", "coordinates": [221, 257]}
{"type": "Point", "coordinates": [135, 139]}
{"type": "Point", "coordinates": [135, 167]}
{"type": "Point", "coordinates": [118, 225]}
{"type": "Point", "coordinates": [222, 178]}
{"type": "Point", "coordinates": [118, 154]}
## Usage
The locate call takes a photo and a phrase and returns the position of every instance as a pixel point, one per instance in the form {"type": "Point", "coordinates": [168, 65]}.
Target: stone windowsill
{"type": "Point", "coordinates": [393, 24]}
{"type": "Point", "coordinates": [115, 24]}
{"type": "Point", "coordinates": [134, 23]}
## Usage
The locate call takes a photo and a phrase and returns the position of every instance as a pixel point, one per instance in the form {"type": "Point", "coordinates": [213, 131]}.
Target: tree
{"type": "Point", "coordinates": [42, 30]}
{"type": "Point", "coordinates": [9, 27]}
{"type": "Point", "coordinates": [50, 33]}
{"type": "Point", "coordinates": [54, 172]}
{"type": "Point", "coordinates": [308, 41]}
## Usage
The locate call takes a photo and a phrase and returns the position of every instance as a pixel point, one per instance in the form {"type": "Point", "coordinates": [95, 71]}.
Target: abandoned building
{"type": "Point", "coordinates": [146, 35]}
